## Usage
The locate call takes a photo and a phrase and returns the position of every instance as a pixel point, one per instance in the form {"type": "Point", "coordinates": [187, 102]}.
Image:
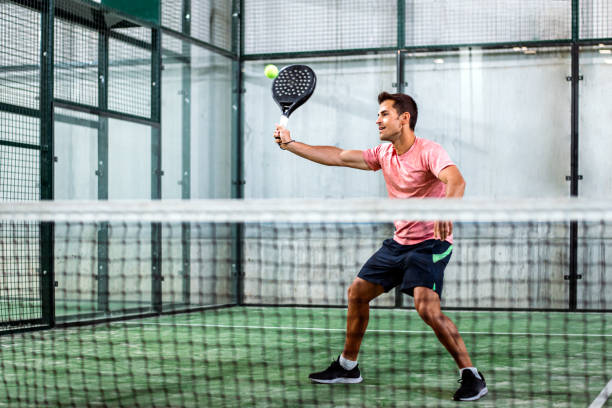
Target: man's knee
{"type": "Point", "coordinates": [428, 308]}
{"type": "Point", "coordinates": [429, 314]}
{"type": "Point", "coordinates": [362, 291]}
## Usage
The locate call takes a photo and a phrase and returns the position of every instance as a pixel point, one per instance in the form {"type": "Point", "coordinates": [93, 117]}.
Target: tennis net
{"type": "Point", "coordinates": [235, 302]}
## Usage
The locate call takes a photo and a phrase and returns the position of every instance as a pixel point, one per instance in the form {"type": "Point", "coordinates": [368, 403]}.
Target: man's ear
{"type": "Point", "coordinates": [406, 117]}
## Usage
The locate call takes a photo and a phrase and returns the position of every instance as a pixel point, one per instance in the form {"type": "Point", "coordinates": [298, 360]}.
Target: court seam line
{"type": "Point", "coordinates": [603, 396]}
{"type": "Point", "coordinates": [227, 326]}
{"type": "Point", "coordinates": [458, 311]}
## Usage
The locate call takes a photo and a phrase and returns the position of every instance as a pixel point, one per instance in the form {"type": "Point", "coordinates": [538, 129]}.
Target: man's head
{"type": "Point", "coordinates": [402, 104]}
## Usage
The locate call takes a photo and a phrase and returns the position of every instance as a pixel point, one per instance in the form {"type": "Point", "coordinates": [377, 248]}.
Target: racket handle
{"type": "Point", "coordinates": [284, 120]}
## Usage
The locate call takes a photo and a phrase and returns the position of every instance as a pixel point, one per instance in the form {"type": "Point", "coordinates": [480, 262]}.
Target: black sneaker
{"type": "Point", "coordinates": [472, 388]}
{"type": "Point", "coordinates": [335, 373]}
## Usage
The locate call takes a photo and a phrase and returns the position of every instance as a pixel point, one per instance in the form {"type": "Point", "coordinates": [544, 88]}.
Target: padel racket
{"type": "Point", "coordinates": [292, 88]}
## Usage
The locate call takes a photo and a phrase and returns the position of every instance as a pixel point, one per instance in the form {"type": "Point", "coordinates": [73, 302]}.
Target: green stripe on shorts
{"type": "Point", "coordinates": [437, 257]}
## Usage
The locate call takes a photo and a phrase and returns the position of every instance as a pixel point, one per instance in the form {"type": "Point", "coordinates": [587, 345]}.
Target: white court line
{"type": "Point", "coordinates": [602, 397]}
{"type": "Point", "coordinates": [228, 326]}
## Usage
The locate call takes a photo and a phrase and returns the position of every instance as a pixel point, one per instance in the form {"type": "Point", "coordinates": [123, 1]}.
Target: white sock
{"type": "Point", "coordinates": [346, 363]}
{"type": "Point", "coordinates": [473, 370]}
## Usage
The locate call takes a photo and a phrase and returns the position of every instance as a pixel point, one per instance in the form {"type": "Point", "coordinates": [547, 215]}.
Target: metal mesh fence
{"type": "Point", "coordinates": [595, 19]}
{"type": "Point", "coordinates": [471, 21]}
{"type": "Point", "coordinates": [172, 14]}
{"type": "Point", "coordinates": [129, 82]}
{"type": "Point", "coordinates": [19, 57]}
{"type": "Point", "coordinates": [20, 31]}
{"type": "Point", "coordinates": [209, 20]}
{"type": "Point", "coordinates": [288, 27]}
{"type": "Point", "coordinates": [317, 25]}
{"type": "Point", "coordinates": [76, 62]}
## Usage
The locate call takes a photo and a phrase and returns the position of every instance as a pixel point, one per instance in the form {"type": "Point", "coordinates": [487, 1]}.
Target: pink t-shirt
{"type": "Point", "coordinates": [413, 174]}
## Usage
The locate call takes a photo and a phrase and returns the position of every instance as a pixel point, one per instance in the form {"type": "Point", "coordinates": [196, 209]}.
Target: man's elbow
{"type": "Point", "coordinates": [455, 184]}
{"type": "Point", "coordinates": [459, 184]}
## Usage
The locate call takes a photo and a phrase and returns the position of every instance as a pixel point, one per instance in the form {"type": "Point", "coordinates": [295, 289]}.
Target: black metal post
{"type": "Point", "coordinates": [399, 85]}
{"type": "Point", "coordinates": [237, 230]}
{"type": "Point", "coordinates": [574, 176]}
{"type": "Point", "coordinates": [186, 150]}
{"type": "Point", "coordinates": [102, 172]}
{"type": "Point", "coordinates": [47, 273]}
{"type": "Point", "coordinates": [156, 170]}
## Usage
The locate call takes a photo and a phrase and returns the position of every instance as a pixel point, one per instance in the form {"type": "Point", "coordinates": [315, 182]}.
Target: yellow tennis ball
{"type": "Point", "coordinates": [271, 71]}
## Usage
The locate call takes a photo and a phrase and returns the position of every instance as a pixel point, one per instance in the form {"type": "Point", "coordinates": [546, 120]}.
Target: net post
{"type": "Point", "coordinates": [47, 275]}
{"type": "Point", "coordinates": [156, 170]}
{"type": "Point", "coordinates": [102, 174]}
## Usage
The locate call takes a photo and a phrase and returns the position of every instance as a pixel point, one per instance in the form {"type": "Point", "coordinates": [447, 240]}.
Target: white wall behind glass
{"type": "Point", "coordinates": [595, 133]}
{"type": "Point", "coordinates": [342, 112]}
{"type": "Point", "coordinates": [208, 96]}
{"type": "Point", "coordinates": [129, 160]}
{"type": "Point", "coordinates": [503, 116]}
{"type": "Point", "coordinates": [211, 129]}
{"type": "Point", "coordinates": [76, 149]}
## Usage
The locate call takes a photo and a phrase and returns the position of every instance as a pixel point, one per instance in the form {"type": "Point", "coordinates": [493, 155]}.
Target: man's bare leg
{"type": "Point", "coordinates": [360, 293]}
{"type": "Point", "coordinates": [427, 304]}
{"type": "Point", "coordinates": [345, 370]}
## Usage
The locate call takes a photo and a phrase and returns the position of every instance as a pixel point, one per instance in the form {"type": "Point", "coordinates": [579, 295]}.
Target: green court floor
{"type": "Point", "coordinates": [261, 356]}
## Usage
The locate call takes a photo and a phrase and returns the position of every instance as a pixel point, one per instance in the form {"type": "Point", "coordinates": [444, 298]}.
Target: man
{"type": "Point", "coordinates": [418, 253]}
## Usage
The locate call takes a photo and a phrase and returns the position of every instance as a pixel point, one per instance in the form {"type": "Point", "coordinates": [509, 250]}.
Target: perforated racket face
{"type": "Point", "coordinates": [293, 86]}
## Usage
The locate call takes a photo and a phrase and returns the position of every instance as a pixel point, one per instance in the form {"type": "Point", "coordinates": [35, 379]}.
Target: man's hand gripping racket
{"type": "Point", "coordinates": [290, 90]}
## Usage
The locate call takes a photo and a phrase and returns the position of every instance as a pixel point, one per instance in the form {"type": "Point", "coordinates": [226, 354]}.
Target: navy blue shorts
{"type": "Point", "coordinates": [409, 266]}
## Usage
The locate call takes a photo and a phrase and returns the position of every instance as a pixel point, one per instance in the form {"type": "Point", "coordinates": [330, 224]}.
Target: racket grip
{"type": "Point", "coordinates": [284, 120]}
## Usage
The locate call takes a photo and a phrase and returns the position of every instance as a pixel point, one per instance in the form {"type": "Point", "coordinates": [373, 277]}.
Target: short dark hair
{"type": "Point", "coordinates": [402, 103]}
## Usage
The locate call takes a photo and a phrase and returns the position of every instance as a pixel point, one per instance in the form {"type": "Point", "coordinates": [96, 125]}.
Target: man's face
{"type": "Point", "coordinates": [389, 122]}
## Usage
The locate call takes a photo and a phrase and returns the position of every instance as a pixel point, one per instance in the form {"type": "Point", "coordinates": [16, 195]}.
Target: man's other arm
{"type": "Point", "coordinates": [455, 186]}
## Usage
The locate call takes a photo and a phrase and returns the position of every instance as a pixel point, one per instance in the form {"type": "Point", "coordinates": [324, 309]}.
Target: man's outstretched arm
{"type": "Point", "coordinates": [327, 155]}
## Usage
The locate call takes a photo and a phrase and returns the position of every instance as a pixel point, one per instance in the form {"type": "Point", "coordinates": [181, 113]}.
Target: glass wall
{"type": "Point", "coordinates": [342, 112]}
{"type": "Point", "coordinates": [502, 115]}
{"type": "Point", "coordinates": [196, 121]}
{"type": "Point", "coordinates": [196, 158]}
{"type": "Point", "coordinates": [595, 141]}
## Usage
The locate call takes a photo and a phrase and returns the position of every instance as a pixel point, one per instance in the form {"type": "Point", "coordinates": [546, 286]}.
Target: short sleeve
{"type": "Point", "coordinates": [372, 157]}
{"type": "Point", "coordinates": [437, 159]}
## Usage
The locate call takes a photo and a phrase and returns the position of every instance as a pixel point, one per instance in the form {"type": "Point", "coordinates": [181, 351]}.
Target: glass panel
{"type": "Point", "coordinates": [76, 149]}
{"type": "Point", "coordinates": [129, 160]}
{"type": "Point", "coordinates": [594, 163]}
{"type": "Point", "coordinates": [341, 112]}
{"type": "Point", "coordinates": [201, 93]}
{"type": "Point", "coordinates": [595, 112]}
{"type": "Point", "coordinates": [211, 101]}
{"type": "Point", "coordinates": [196, 132]}
{"type": "Point", "coordinates": [75, 247]}
{"type": "Point", "coordinates": [503, 116]}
